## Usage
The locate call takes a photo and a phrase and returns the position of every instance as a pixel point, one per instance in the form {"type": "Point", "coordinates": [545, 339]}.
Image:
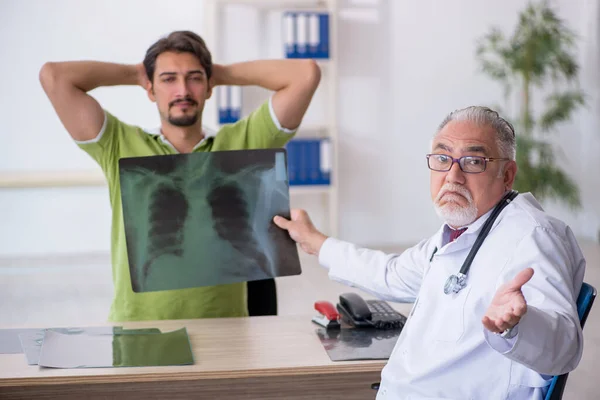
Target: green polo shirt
{"type": "Point", "coordinates": [118, 139]}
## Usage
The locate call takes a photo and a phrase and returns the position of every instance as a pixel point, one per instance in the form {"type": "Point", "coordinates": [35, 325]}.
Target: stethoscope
{"type": "Point", "coordinates": [457, 282]}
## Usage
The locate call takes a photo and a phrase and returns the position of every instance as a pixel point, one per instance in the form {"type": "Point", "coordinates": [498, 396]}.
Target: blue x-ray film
{"type": "Point", "coordinates": [205, 219]}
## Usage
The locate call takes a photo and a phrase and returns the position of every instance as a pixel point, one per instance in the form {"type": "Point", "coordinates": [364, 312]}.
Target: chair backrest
{"type": "Point", "coordinates": [586, 297]}
{"type": "Point", "coordinates": [262, 297]}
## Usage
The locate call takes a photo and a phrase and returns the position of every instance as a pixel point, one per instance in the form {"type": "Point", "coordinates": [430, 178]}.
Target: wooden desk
{"type": "Point", "coordinates": [235, 358]}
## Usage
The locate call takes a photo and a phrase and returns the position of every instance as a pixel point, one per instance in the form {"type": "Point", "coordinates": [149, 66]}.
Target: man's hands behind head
{"type": "Point", "coordinates": [302, 230]}
{"type": "Point", "coordinates": [142, 76]}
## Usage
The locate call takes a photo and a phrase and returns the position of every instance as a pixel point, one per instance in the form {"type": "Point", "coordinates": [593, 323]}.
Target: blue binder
{"type": "Point", "coordinates": [323, 51]}
{"type": "Point", "coordinates": [229, 104]}
{"type": "Point", "coordinates": [309, 162]}
{"type": "Point", "coordinates": [289, 34]}
{"type": "Point", "coordinates": [306, 35]}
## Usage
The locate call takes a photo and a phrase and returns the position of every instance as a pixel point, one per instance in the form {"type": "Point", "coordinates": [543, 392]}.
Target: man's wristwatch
{"type": "Point", "coordinates": [510, 332]}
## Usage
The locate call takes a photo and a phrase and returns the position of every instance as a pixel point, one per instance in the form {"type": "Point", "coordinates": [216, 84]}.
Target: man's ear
{"type": "Point", "coordinates": [150, 91]}
{"type": "Point", "coordinates": [510, 172]}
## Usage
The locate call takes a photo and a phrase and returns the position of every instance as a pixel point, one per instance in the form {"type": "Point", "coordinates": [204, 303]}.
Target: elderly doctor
{"type": "Point", "coordinates": [499, 327]}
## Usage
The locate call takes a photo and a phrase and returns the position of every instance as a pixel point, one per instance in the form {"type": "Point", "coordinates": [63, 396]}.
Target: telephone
{"type": "Point", "coordinates": [378, 314]}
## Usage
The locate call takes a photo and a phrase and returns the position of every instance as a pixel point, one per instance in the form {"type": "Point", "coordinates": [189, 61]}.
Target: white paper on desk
{"type": "Point", "coordinates": [31, 341]}
{"type": "Point", "coordinates": [9, 340]}
{"type": "Point", "coordinates": [61, 350]}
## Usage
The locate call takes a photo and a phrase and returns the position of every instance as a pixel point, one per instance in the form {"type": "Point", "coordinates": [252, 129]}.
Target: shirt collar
{"type": "Point", "coordinates": [208, 132]}
{"type": "Point", "coordinates": [472, 228]}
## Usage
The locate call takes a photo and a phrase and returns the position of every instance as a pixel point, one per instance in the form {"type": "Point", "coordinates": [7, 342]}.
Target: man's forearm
{"type": "Point", "coordinates": [270, 74]}
{"type": "Point", "coordinates": [559, 334]}
{"type": "Point", "coordinates": [88, 75]}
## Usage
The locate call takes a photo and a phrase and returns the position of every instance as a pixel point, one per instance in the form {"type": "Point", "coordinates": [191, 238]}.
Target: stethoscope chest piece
{"type": "Point", "coordinates": [455, 283]}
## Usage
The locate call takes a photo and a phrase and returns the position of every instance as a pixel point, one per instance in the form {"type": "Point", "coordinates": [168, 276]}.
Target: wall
{"type": "Point", "coordinates": [402, 73]}
{"type": "Point", "coordinates": [402, 68]}
{"type": "Point", "coordinates": [41, 221]}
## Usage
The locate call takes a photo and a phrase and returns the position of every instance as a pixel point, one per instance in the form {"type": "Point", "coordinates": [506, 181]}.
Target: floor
{"type": "Point", "coordinates": [71, 291]}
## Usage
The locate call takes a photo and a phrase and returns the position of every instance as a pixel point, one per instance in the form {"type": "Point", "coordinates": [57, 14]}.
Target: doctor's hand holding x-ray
{"type": "Point", "coordinates": [483, 324]}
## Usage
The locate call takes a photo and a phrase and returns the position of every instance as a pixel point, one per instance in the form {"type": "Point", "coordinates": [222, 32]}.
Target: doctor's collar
{"type": "Point", "coordinates": [473, 227]}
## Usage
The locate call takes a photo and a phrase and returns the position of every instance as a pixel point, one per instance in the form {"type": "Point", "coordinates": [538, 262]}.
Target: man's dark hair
{"type": "Point", "coordinates": [180, 42]}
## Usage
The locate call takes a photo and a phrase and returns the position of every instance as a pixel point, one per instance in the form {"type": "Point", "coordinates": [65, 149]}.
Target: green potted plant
{"type": "Point", "coordinates": [536, 64]}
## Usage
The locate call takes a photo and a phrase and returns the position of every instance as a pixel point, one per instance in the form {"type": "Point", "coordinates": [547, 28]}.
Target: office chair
{"type": "Point", "coordinates": [586, 297]}
{"type": "Point", "coordinates": [262, 297]}
{"type": "Point", "coordinates": [585, 300]}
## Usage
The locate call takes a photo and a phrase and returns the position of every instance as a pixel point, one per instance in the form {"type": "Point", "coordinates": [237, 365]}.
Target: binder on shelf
{"type": "Point", "coordinates": [289, 34]}
{"type": "Point", "coordinates": [309, 162]}
{"type": "Point", "coordinates": [323, 49]}
{"type": "Point", "coordinates": [306, 34]}
{"type": "Point", "coordinates": [302, 35]}
{"type": "Point", "coordinates": [229, 100]}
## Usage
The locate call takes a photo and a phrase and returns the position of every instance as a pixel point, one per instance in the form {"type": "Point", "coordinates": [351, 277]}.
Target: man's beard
{"type": "Point", "coordinates": [454, 214]}
{"type": "Point", "coordinates": [184, 120]}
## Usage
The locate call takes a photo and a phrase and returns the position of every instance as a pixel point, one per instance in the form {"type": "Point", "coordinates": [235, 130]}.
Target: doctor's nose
{"type": "Point", "coordinates": [455, 175]}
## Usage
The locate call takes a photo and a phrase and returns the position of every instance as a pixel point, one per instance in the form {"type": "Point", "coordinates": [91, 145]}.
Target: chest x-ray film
{"type": "Point", "coordinates": [205, 219]}
{"type": "Point", "coordinates": [31, 341]}
{"type": "Point", "coordinates": [358, 344]}
{"type": "Point", "coordinates": [134, 348]}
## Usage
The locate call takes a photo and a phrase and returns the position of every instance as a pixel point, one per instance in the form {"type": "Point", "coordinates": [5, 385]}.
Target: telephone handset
{"type": "Point", "coordinates": [355, 311]}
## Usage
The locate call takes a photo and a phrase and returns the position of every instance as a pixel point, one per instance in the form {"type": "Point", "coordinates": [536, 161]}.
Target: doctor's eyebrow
{"type": "Point", "coordinates": [476, 149]}
{"type": "Point", "coordinates": [442, 146]}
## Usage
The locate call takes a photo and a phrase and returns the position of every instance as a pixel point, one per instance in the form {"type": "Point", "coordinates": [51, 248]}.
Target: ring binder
{"type": "Point", "coordinates": [306, 34]}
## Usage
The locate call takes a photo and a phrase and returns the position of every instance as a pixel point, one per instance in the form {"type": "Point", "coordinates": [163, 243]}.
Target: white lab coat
{"type": "Point", "coordinates": [444, 352]}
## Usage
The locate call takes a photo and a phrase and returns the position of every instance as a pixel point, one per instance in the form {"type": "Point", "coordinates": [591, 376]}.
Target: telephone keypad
{"type": "Point", "coordinates": [383, 312]}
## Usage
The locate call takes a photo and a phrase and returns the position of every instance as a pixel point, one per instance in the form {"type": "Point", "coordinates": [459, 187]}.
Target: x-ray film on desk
{"type": "Point", "coordinates": [358, 343]}
{"type": "Point", "coordinates": [206, 218]}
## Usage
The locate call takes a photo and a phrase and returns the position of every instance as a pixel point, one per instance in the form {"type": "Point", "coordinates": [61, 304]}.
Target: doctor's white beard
{"type": "Point", "coordinates": [455, 215]}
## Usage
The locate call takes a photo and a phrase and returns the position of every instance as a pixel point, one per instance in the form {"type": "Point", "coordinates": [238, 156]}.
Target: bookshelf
{"type": "Point", "coordinates": [269, 29]}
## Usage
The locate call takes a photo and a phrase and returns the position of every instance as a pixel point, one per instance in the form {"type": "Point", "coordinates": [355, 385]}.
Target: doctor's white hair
{"type": "Point", "coordinates": [484, 116]}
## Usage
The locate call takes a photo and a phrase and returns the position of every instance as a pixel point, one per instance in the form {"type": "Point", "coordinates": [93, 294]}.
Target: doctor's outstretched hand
{"type": "Point", "coordinates": [508, 304]}
{"type": "Point", "coordinates": [302, 230]}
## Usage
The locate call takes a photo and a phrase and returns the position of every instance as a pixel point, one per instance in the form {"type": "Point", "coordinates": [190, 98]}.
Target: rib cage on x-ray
{"type": "Point", "coordinates": [199, 222]}
{"type": "Point", "coordinates": [166, 234]}
{"type": "Point", "coordinates": [231, 221]}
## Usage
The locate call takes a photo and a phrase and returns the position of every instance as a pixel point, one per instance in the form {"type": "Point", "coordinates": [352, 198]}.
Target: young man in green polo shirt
{"type": "Point", "coordinates": [179, 76]}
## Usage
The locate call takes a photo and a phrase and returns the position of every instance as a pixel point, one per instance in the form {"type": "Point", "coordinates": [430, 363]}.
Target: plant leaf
{"type": "Point", "coordinates": [559, 107]}
{"type": "Point", "coordinates": [539, 173]}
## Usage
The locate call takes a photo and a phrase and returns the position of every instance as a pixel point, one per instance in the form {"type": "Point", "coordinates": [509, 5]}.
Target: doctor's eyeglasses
{"type": "Point", "coordinates": [467, 164]}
